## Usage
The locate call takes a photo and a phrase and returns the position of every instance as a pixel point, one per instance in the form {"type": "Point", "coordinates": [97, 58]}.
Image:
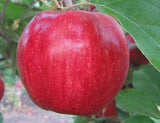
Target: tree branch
{"type": "Point", "coordinates": [3, 11]}
{"type": "Point", "coordinates": [6, 37]}
{"type": "Point", "coordinates": [67, 3]}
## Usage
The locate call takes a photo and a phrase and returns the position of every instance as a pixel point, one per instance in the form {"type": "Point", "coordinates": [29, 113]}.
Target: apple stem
{"type": "Point", "coordinates": [67, 2]}
{"type": "Point", "coordinates": [132, 46]}
{"type": "Point", "coordinates": [57, 5]}
{"type": "Point", "coordinates": [76, 5]}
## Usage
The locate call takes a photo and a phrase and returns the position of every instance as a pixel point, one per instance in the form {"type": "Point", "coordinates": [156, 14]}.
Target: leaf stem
{"type": "Point", "coordinates": [48, 5]}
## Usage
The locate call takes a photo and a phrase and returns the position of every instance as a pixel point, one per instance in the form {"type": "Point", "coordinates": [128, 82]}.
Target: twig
{"type": "Point", "coordinates": [6, 37]}
{"type": "Point", "coordinates": [57, 5]}
{"type": "Point", "coordinates": [3, 10]}
{"type": "Point", "coordinates": [48, 5]}
{"type": "Point", "coordinates": [67, 3]}
{"type": "Point", "coordinates": [76, 5]}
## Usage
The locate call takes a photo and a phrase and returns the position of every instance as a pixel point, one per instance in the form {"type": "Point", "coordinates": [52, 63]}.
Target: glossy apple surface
{"type": "Point", "coordinates": [1, 88]}
{"type": "Point", "coordinates": [136, 57]}
{"type": "Point", "coordinates": [72, 62]}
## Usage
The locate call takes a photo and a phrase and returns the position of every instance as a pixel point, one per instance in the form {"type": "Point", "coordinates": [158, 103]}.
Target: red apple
{"type": "Point", "coordinates": [136, 56]}
{"type": "Point", "coordinates": [91, 8]}
{"type": "Point", "coordinates": [99, 114]}
{"type": "Point", "coordinates": [111, 110]}
{"type": "Point", "coordinates": [73, 62]}
{"type": "Point", "coordinates": [1, 88]}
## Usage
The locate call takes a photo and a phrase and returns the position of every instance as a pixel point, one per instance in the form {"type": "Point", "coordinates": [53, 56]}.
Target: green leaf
{"type": "Point", "coordinates": [24, 1]}
{"type": "Point", "coordinates": [136, 101]}
{"type": "Point", "coordinates": [139, 119]}
{"type": "Point", "coordinates": [9, 77]}
{"type": "Point", "coordinates": [1, 118]}
{"type": "Point", "coordinates": [3, 45]}
{"type": "Point", "coordinates": [147, 79]}
{"type": "Point", "coordinates": [129, 78]}
{"type": "Point", "coordinates": [122, 115]}
{"type": "Point", "coordinates": [155, 120]}
{"type": "Point", "coordinates": [140, 18]}
{"type": "Point", "coordinates": [81, 119]}
{"type": "Point", "coordinates": [11, 12]}
{"type": "Point", "coordinates": [29, 14]}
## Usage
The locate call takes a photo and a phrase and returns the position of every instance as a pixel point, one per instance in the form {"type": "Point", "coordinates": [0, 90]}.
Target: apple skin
{"type": "Point", "coordinates": [111, 110]}
{"type": "Point", "coordinates": [1, 89]}
{"type": "Point", "coordinates": [136, 56]}
{"type": "Point", "coordinates": [93, 8]}
{"type": "Point", "coordinates": [72, 62]}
